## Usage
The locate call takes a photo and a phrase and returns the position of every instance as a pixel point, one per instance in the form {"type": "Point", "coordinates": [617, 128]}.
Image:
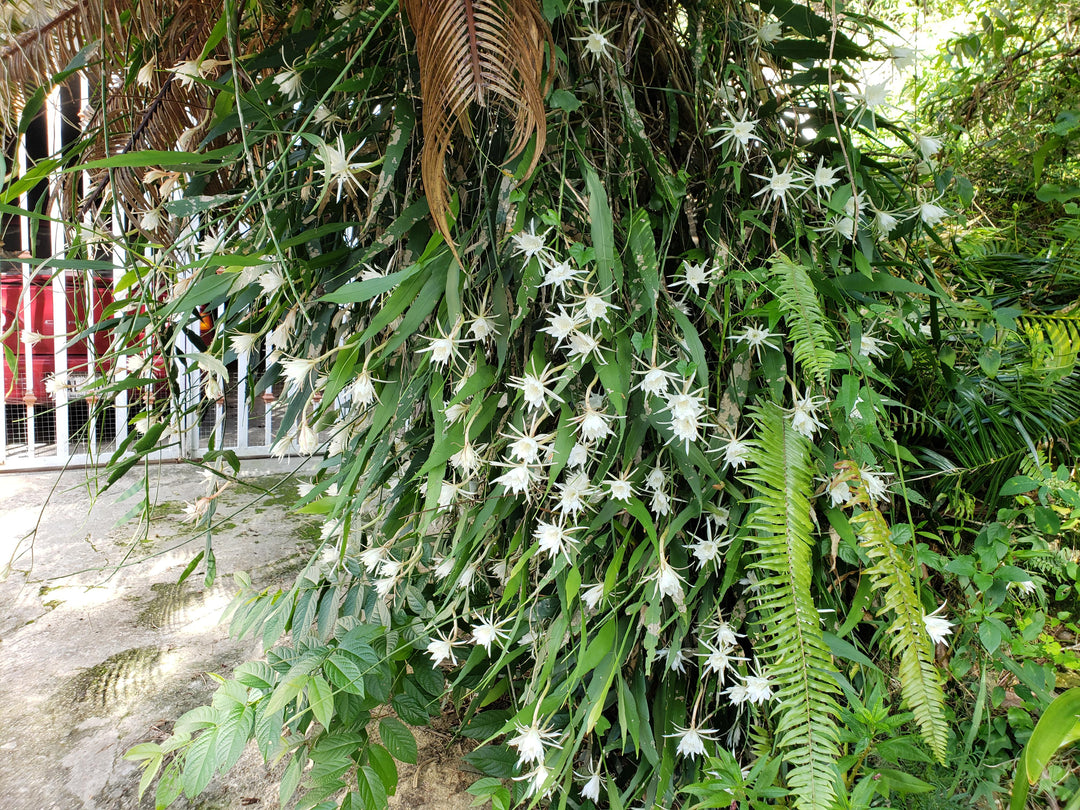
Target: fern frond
{"type": "Point", "coordinates": [805, 319]}
{"type": "Point", "coordinates": [1055, 343]}
{"type": "Point", "coordinates": [797, 658]}
{"type": "Point", "coordinates": [920, 682]}
{"type": "Point", "coordinates": [482, 52]}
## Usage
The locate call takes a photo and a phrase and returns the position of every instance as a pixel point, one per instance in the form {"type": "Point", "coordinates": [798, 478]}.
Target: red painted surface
{"type": "Point", "coordinates": [36, 299]}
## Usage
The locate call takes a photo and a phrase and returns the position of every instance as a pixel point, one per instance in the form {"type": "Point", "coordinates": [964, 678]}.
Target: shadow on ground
{"type": "Point", "coordinates": [101, 648]}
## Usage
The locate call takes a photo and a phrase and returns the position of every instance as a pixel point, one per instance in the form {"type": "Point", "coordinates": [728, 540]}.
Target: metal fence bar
{"type": "Point", "coordinates": [60, 283]}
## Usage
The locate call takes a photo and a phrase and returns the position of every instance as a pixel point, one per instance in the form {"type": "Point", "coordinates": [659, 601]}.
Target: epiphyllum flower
{"type": "Point", "coordinates": [560, 274]}
{"type": "Point", "coordinates": [188, 71]}
{"type": "Point", "coordinates": [928, 146]}
{"type": "Point", "coordinates": [938, 627]}
{"type": "Point", "coordinates": [655, 379]}
{"type": "Point", "coordinates": [594, 782]}
{"type": "Point", "coordinates": [692, 740]}
{"type": "Point", "coordinates": [530, 742]}
{"type": "Point", "coordinates": [739, 130]}
{"type": "Point", "coordinates": [736, 453]}
{"type": "Point", "coordinates": [555, 539]}
{"type": "Point", "coordinates": [288, 83]}
{"type": "Point", "coordinates": [804, 415]}
{"type": "Point", "coordinates": [597, 43]}
{"type": "Point", "coordinates": [621, 488]}
{"type": "Point", "coordinates": [755, 337]}
{"type": "Point", "coordinates": [823, 177]}
{"type": "Point", "coordinates": [931, 214]}
{"type": "Point", "coordinates": [487, 631]}
{"type": "Point", "coordinates": [592, 423]}
{"type": "Point", "coordinates": [441, 648]}
{"type": "Point", "coordinates": [535, 388]}
{"type": "Point", "coordinates": [444, 348]}
{"type": "Point", "coordinates": [668, 581]}
{"type": "Point", "coordinates": [694, 275]}
{"type": "Point", "coordinates": [337, 169]}
{"type": "Point", "coordinates": [779, 185]}
{"type": "Point", "coordinates": [529, 243]}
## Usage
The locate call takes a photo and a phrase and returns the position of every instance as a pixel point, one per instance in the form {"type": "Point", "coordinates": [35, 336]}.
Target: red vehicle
{"type": "Point", "coordinates": [36, 300]}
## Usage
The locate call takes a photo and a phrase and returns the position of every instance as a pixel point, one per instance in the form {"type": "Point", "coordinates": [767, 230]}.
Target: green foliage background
{"type": "Point", "coordinates": [750, 625]}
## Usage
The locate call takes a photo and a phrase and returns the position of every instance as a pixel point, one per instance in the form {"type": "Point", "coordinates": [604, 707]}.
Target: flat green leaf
{"type": "Point", "coordinates": [398, 739]}
{"type": "Point", "coordinates": [321, 700]}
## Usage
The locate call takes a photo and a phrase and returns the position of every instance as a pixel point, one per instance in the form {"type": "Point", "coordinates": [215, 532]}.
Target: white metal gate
{"type": "Point", "coordinates": [48, 416]}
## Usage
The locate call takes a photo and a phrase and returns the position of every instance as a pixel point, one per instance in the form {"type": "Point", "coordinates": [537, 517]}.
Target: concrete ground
{"type": "Point", "coordinates": [100, 649]}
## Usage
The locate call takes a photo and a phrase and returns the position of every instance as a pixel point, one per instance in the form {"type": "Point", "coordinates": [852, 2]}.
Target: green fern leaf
{"type": "Point", "coordinates": [795, 652]}
{"type": "Point", "coordinates": [920, 682]}
{"type": "Point", "coordinates": [806, 322]}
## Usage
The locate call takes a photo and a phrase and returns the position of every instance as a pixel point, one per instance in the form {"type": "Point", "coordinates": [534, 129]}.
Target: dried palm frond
{"type": "Point", "coordinates": [157, 112]}
{"type": "Point", "coordinates": [487, 52]}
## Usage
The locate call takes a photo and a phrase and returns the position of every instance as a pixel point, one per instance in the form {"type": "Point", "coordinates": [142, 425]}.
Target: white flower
{"type": "Point", "coordinates": [575, 494]}
{"type": "Point", "coordinates": [579, 456]}
{"type": "Point", "coordinates": [872, 96]}
{"type": "Point", "coordinates": [597, 43]}
{"type": "Point", "coordinates": [804, 416]}
{"type": "Point", "coordinates": [839, 226]}
{"type": "Point", "coordinates": [660, 503]}
{"type": "Point", "coordinates": [928, 146]}
{"type": "Point", "coordinates": [620, 488]}
{"type": "Point", "coordinates": [468, 459]}
{"type": "Point", "coordinates": [737, 693]}
{"type": "Point", "coordinates": [467, 578]}
{"type": "Point", "coordinates": [288, 83]}
{"type": "Point", "coordinates": [441, 648]}
{"type": "Point", "coordinates": [938, 627]}
{"type": "Point", "coordinates": [668, 582]}
{"type": "Point", "coordinates": [187, 72]}
{"type": "Point", "coordinates": [1026, 586]}
{"type": "Point", "coordinates": [483, 327]}
{"type": "Point", "coordinates": [902, 56]}
{"type": "Point", "coordinates": [146, 73]}
{"type": "Point", "coordinates": [592, 595]}
{"type": "Point", "coordinates": [839, 492]}
{"type": "Point", "coordinates": [337, 169]}
{"type": "Point", "coordinates": [738, 130]}
{"type": "Point", "coordinates": [517, 479]}
{"type": "Point", "coordinates": [884, 223]}
{"type": "Point", "coordinates": [656, 479]}
{"type": "Point", "coordinates": [456, 412]}
{"type": "Point", "coordinates": [595, 307]}
{"type": "Point", "coordinates": [685, 429]}
{"type": "Point", "coordinates": [655, 379]}
{"type": "Point", "coordinates": [444, 347]}
{"type": "Point", "coordinates": [243, 343]}
{"type": "Point", "coordinates": [555, 539]}
{"type": "Point", "coordinates": [297, 370]}
{"type": "Point", "coordinates": [684, 403]}
{"type": "Point", "coordinates": [527, 447]}
{"type": "Point", "coordinates": [724, 635]}
{"type": "Point", "coordinates": [537, 781]}
{"type": "Point", "coordinates": [736, 453]}
{"type": "Point", "coordinates": [675, 658]}
{"type": "Point", "coordinates": [151, 220]}
{"type": "Point", "coordinates": [755, 337]}
{"type": "Point", "coordinates": [718, 659]}
{"type": "Point", "coordinates": [529, 243]}
{"type": "Point", "coordinates": [592, 423]}
{"type": "Point", "coordinates": [582, 344]}
{"type": "Point", "coordinates": [195, 510]}
{"type": "Point", "coordinates": [779, 185]}
{"type": "Point", "coordinates": [931, 214]}
{"type": "Point", "coordinates": [593, 784]}
{"type": "Point", "coordinates": [706, 551]}
{"type": "Point", "coordinates": [694, 275]}
{"type": "Point", "coordinates": [875, 484]}
{"type": "Point", "coordinates": [758, 688]}
{"type": "Point", "coordinates": [870, 346]}
{"type": "Point", "coordinates": [692, 740]}
{"type": "Point", "coordinates": [535, 388]}
{"type": "Point", "coordinates": [486, 632]}
{"type": "Point", "coordinates": [444, 568]}
{"type": "Point", "coordinates": [767, 33]}
{"type": "Point", "coordinates": [824, 177]}
{"type": "Point", "coordinates": [307, 440]}
{"type": "Point", "coordinates": [530, 742]}
{"type": "Point", "coordinates": [363, 389]}
{"type": "Point", "coordinates": [560, 274]}
{"type": "Point", "coordinates": [562, 325]}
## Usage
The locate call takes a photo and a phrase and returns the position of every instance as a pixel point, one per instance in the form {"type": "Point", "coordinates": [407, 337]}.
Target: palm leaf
{"type": "Point", "coordinates": [484, 52]}
{"type": "Point", "coordinates": [920, 683]}
{"type": "Point", "coordinates": [795, 651]}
